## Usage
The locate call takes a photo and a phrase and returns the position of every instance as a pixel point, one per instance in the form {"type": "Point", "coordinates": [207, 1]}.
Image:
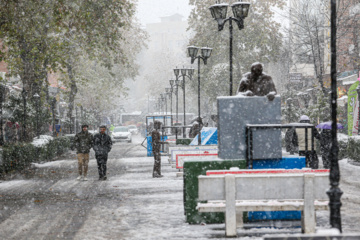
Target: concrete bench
{"type": "Point", "coordinates": [258, 190]}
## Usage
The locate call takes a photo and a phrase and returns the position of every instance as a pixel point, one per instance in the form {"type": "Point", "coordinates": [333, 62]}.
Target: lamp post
{"type": "Point", "coordinates": [240, 10]}
{"type": "Point", "coordinates": [37, 101]}
{"type": "Point", "coordinates": [2, 90]}
{"type": "Point", "coordinates": [184, 73]}
{"type": "Point", "coordinates": [334, 193]}
{"type": "Point", "coordinates": [205, 54]}
{"type": "Point", "coordinates": [178, 84]}
{"type": "Point", "coordinates": [172, 91]}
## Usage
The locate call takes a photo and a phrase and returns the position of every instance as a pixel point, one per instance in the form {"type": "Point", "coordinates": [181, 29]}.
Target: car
{"type": "Point", "coordinates": [121, 134]}
{"type": "Point", "coordinates": [133, 129]}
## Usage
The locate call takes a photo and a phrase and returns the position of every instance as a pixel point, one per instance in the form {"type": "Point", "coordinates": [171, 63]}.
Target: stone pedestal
{"type": "Point", "coordinates": [237, 111]}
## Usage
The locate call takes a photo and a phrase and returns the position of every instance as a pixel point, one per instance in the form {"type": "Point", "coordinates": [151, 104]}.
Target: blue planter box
{"type": "Point", "coordinates": [293, 162]}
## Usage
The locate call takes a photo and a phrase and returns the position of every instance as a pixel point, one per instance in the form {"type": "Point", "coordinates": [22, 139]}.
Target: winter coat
{"type": "Point", "coordinates": [102, 144]}
{"type": "Point", "coordinates": [300, 132]}
{"type": "Point", "coordinates": [156, 138]}
{"type": "Point", "coordinates": [291, 141]}
{"type": "Point", "coordinates": [194, 130]}
{"type": "Point", "coordinates": [325, 141]}
{"type": "Point", "coordinates": [83, 142]}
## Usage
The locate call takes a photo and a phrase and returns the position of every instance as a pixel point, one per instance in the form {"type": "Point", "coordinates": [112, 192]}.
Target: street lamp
{"type": "Point", "coordinates": [172, 91]}
{"type": "Point", "coordinates": [240, 10]}
{"type": "Point", "coordinates": [37, 101]}
{"type": "Point", "coordinates": [205, 54]}
{"type": "Point", "coordinates": [334, 193]}
{"type": "Point", "coordinates": [184, 73]}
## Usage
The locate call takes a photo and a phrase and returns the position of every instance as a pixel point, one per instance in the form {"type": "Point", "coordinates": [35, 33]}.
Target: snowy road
{"type": "Point", "coordinates": [48, 203]}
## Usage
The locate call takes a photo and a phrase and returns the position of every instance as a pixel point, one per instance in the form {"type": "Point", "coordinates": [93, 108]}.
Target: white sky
{"type": "Point", "coordinates": [150, 11]}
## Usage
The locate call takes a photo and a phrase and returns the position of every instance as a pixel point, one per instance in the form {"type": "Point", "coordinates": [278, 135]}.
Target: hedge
{"type": "Point", "coordinates": [20, 156]}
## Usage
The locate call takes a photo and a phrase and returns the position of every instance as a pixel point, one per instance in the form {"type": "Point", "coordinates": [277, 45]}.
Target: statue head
{"type": "Point", "coordinates": [257, 69]}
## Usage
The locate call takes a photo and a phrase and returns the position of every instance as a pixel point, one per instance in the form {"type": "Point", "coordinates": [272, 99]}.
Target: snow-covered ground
{"type": "Point", "coordinates": [130, 205]}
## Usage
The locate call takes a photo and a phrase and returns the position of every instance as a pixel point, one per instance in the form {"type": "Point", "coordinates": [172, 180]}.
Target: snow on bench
{"type": "Point", "coordinates": [178, 161]}
{"type": "Point", "coordinates": [235, 192]}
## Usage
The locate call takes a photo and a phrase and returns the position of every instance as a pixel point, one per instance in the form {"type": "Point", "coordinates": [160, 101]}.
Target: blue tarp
{"type": "Point", "coordinates": [209, 136]}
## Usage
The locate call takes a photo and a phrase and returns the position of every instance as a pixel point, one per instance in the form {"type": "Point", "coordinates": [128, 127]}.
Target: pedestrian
{"type": "Point", "coordinates": [325, 146]}
{"type": "Point", "coordinates": [102, 146]}
{"type": "Point", "coordinates": [196, 127]}
{"type": "Point", "coordinates": [83, 143]}
{"type": "Point", "coordinates": [312, 160]}
{"type": "Point", "coordinates": [291, 141]}
{"type": "Point", "coordinates": [156, 145]}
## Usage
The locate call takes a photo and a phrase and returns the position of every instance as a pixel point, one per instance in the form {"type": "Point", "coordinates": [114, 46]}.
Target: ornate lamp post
{"type": "Point", "coordinates": [169, 93]}
{"type": "Point", "coordinates": [334, 192]}
{"type": "Point", "coordinates": [184, 73]}
{"type": "Point", "coordinates": [37, 102]}
{"type": "Point", "coordinates": [240, 10]}
{"type": "Point", "coordinates": [172, 91]}
{"type": "Point", "coordinates": [205, 54]}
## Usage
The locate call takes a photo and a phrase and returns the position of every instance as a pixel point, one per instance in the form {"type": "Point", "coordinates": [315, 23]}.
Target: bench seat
{"type": "Point", "coordinates": [261, 205]}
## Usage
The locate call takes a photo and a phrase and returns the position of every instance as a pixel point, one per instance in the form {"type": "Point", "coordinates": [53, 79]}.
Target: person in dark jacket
{"type": "Point", "coordinates": [156, 145]}
{"type": "Point", "coordinates": [83, 142]}
{"type": "Point", "coordinates": [102, 146]}
{"type": "Point", "coordinates": [196, 127]}
{"type": "Point", "coordinates": [325, 146]}
{"type": "Point", "coordinates": [291, 141]}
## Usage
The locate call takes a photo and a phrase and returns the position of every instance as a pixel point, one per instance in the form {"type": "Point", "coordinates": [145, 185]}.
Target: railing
{"type": "Point", "coordinates": [249, 137]}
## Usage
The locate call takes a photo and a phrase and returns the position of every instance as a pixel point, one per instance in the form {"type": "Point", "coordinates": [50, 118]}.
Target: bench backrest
{"type": "Point", "coordinates": [265, 186]}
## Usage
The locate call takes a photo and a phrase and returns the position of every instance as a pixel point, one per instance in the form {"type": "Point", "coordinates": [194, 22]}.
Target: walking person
{"type": "Point", "coordinates": [83, 143]}
{"type": "Point", "coordinates": [325, 146]}
{"type": "Point", "coordinates": [156, 138]}
{"type": "Point", "coordinates": [312, 160]}
{"type": "Point", "coordinates": [102, 146]}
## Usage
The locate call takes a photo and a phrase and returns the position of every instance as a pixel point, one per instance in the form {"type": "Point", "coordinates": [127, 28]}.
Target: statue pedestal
{"type": "Point", "coordinates": [237, 111]}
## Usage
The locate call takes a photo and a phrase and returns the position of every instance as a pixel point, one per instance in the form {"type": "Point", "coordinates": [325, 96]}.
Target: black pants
{"type": "Point", "coordinates": [326, 159]}
{"type": "Point", "coordinates": [312, 160]}
{"type": "Point", "coordinates": [101, 161]}
{"type": "Point", "coordinates": [157, 163]}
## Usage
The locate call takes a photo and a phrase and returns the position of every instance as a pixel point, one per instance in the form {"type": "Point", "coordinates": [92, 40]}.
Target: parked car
{"type": "Point", "coordinates": [121, 134]}
{"type": "Point", "coordinates": [133, 129]}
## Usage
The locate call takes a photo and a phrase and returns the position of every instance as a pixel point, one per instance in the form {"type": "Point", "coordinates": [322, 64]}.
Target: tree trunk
{"type": "Point", "coordinates": [72, 94]}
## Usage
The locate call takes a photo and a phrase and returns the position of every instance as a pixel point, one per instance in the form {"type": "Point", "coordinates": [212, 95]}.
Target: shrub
{"type": "Point", "coordinates": [353, 149]}
{"type": "Point", "coordinates": [20, 156]}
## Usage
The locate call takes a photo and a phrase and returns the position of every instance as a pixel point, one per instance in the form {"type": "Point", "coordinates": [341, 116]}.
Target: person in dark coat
{"type": "Point", "coordinates": [102, 146]}
{"type": "Point", "coordinates": [291, 141]}
{"type": "Point", "coordinates": [156, 145]}
{"type": "Point", "coordinates": [325, 146]}
{"type": "Point", "coordinates": [83, 142]}
{"type": "Point", "coordinates": [196, 127]}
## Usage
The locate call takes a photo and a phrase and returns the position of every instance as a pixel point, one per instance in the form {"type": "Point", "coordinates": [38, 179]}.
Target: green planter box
{"type": "Point", "coordinates": [192, 169]}
{"type": "Point", "coordinates": [183, 141]}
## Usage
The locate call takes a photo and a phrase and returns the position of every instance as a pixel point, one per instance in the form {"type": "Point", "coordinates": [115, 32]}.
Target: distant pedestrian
{"type": "Point", "coordinates": [83, 143]}
{"type": "Point", "coordinates": [156, 145]}
{"type": "Point", "coordinates": [102, 146]}
{"type": "Point", "coordinates": [312, 160]}
{"type": "Point", "coordinates": [325, 146]}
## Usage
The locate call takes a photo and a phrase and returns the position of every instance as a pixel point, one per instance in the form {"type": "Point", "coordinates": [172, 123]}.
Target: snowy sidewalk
{"type": "Point", "coordinates": [130, 205]}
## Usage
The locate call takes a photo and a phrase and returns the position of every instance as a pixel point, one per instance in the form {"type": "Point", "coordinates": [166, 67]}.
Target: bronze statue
{"type": "Point", "coordinates": [257, 83]}
{"type": "Point", "coordinates": [156, 145]}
